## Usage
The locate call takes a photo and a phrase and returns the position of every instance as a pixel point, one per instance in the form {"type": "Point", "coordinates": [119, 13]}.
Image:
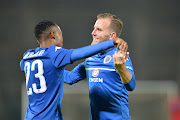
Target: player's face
{"type": "Point", "coordinates": [59, 37]}
{"type": "Point", "coordinates": [101, 31]}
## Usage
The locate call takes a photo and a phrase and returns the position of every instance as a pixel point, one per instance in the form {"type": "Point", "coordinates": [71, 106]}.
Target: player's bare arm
{"type": "Point", "coordinates": [119, 63]}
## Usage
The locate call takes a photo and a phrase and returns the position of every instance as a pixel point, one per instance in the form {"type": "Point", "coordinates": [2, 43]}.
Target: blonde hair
{"type": "Point", "coordinates": [116, 23]}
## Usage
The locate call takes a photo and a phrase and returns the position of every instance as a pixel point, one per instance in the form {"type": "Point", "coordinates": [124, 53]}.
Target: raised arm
{"type": "Point", "coordinates": [61, 57]}
{"type": "Point", "coordinates": [125, 71]}
{"type": "Point", "coordinates": [96, 48]}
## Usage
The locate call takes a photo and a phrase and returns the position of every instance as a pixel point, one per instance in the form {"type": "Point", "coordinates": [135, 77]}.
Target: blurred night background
{"type": "Point", "coordinates": [151, 29]}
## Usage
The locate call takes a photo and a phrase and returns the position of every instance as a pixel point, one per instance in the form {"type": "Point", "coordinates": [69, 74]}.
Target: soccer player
{"type": "Point", "coordinates": [110, 74]}
{"type": "Point", "coordinates": [44, 70]}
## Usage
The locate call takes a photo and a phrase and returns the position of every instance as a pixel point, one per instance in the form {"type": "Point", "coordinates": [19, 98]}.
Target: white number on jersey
{"type": "Point", "coordinates": [31, 67]}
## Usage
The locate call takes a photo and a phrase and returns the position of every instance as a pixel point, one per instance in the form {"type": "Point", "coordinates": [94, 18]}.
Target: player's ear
{"type": "Point", "coordinates": [112, 35]}
{"type": "Point", "coordinates": [52, 35]}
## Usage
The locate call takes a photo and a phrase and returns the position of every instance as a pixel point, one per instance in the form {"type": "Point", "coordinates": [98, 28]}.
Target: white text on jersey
{"type": "Point", "coordinates": [31, 54]}
{"type": "Point", "coordinates": [95, 79]}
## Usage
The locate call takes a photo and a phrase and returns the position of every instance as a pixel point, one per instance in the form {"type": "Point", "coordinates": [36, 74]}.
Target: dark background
{"type": "Point", "coordinates": [151, 29]}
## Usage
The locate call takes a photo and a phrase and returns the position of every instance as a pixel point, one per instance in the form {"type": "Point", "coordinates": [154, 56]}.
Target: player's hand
{"type": "Point", "coordinates": [120, 59]}
{"type": "Point", "coordinates": [121, 45]}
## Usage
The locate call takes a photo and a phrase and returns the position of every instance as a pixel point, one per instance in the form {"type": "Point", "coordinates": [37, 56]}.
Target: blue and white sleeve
{"type": "Point", "coordinates": [132, 83]}
{"type": "Point", "coordinates": [90, 50]}
{"type": "Point", "coordinates": [77, 74]}
{"type": "Point", "coordinates": [62, 57]}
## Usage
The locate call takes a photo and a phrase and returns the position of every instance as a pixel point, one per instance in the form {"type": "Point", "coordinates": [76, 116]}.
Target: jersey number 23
{"type": "Point", "coordinates": [31, 67]}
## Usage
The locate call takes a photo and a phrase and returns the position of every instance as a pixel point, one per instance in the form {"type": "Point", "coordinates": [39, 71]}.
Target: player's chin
{"type": "Point", "coordinates": [61, 45]}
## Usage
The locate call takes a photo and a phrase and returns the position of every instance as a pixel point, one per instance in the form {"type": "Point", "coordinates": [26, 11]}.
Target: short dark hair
{"type": "Point", "coordinates": [41, 27]}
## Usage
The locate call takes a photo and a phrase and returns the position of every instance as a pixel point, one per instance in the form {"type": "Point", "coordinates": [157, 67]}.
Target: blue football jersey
{"type": "Point", "coordinates": [108, 96]}
{"type": "Point", "coordinates": [44, 70]}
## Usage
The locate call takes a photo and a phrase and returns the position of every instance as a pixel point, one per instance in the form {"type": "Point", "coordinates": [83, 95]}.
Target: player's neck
{"type": "Point", "coordinates": [46, 43]}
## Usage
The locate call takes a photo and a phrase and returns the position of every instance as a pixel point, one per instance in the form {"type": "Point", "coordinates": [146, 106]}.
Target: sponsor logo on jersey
{"type": "Point", "coordinates": [95, 73]}
{"type": "Point", "coordinates": [95, 79]}
{"type": "Point", "coordinates": [107, 59]}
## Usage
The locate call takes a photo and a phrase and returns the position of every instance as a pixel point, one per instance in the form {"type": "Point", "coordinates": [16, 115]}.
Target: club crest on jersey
{"type": "Point", "coordinates": [107, 59]}
{"type": "Point", "coordinates": [95, 73]}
